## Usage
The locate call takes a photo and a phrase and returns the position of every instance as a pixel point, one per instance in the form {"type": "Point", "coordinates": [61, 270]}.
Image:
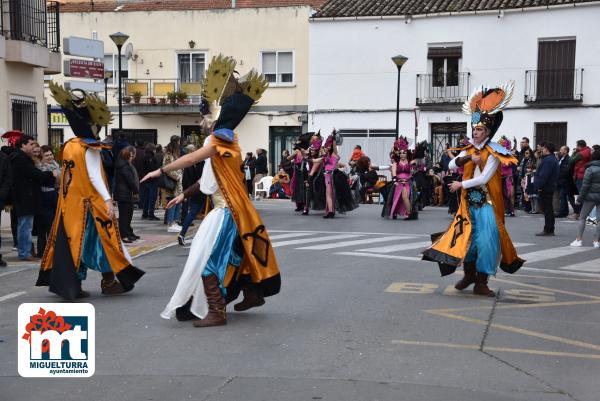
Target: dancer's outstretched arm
{"type": "Point", "coordinates": [185, 161]}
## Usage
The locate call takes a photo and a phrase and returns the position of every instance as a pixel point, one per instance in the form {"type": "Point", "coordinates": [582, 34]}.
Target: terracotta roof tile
{"type": "Point", "coordinates": [377, 8]}
{"type": "Point", "coordinates": [73, 6]}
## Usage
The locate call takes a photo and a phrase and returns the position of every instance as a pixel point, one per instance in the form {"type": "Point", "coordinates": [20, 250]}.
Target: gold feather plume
{"type": "Point", "coordinates": [219, 78]}
{"type": "Point", "coordinates": [254, 85]}
{"type": "Point", "coordinates": [99, 113]}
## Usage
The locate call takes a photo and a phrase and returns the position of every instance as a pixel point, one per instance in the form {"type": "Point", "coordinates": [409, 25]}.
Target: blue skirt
{"type": "Point", "coordinates": [485, 239]}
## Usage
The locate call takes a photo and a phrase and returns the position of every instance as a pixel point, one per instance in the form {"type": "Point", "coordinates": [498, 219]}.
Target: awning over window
{"type": "Point", "coordinates": [444, 52]}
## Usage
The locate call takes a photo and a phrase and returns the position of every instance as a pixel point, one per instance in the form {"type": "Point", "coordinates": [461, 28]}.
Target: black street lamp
{"type": "Point", "coordinates": [399, 60]}
{"type": "Point", "coordinates": [120, 38]}
{"type": "Point", "coordinates": [107, 75]}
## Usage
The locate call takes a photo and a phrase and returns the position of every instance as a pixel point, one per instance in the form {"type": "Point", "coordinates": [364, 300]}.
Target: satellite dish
{"type": "Point", "coordinates": [129, 51]}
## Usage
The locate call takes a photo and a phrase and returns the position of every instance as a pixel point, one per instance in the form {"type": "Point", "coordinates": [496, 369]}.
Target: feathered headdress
{"type": "Point", "coordinates": [86, 113]}
{"type": "Point", "coordinates": [505, 142]}
{"type": "Point", "coordinates": [485, 106]}
{"type": "Point", "coordinates": [230, 97]}
{"type": "Point", "coordinates": [316, 141]}
{"type": "Point", "coordinates": [401, 143]}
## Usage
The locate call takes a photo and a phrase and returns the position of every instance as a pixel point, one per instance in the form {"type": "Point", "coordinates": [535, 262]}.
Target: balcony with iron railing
{"type": "Point", "coordinates": [32, 21]}
{"type": "Point", "coordinates": [31, 32]}
{"type": "Point", "coordinates": [161, 95]}
{"type": "Point", "coordinates": [442, 89]}
{"type": "Point", "coordinates": [555, 86]}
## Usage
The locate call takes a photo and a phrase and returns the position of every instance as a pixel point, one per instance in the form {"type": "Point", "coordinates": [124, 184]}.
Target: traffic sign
{"type": "Point", "coordinates": [82, 47]}
{"type": "Point", "coordinates": [83, 69]}
{"type": "Point", "coordinates": [85, 86]}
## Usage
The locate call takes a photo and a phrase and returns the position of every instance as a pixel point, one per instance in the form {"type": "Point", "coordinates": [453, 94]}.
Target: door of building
{"type": "Point", "coordinates": [135, 136]}
{"type": "Point", "coordinates": [443, 134]}
{"type": "Point", "coordinates": [556, 69]}
{"type": "Point", "coordinates": [191, 134]}
{"type": "Point", "coordinates": [281, 138]}
{"type": "Point", "coordinates": [555, 133]}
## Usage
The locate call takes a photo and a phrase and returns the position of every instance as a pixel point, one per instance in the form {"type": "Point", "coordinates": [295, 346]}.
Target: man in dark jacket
{"type": "Point", "coordinates": [545, 180]}
{"type": "Point", "coordinates": [27, 192]}
{"type": "Point", "coordinates": [565, 183]}
{"type": "Point", "coordinates": [138, 163]}
{"type": "Point", "coordinates": [5, 183]}
{"type": "Point", "coordinates": [149, 189]}
{"type": "Point", "coordinates": [261, 166]}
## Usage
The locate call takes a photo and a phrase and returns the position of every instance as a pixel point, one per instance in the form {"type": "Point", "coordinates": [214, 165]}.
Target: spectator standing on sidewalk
{"type": "Point", "coordinates": [261, 168]}
{"type": "Point", "coordinates": [27, 193]}
{"type": "Point", "coordinates": [249, 166]}
{"type": "Point", "coordinates": [196, 203]}
{"type": "Point", "coordinates": [5, 184]}
{"type": "Point", "coordinates": [49, 199]}
{"type": "Point", "coordinates": [126, 187]}
{"type": "Point", "coordinates": [578, 161]}
{"type": "Point", "coordinates": [149, 189]}
{"type": "Point", "coordinates": [172, 214]}
{"type": "Point", "coordinates": [566, 186]}
{"type": "Point", "coordinates": [546, 177]}
{"type": "Point", "coordinates": [589, 197]}
{"type": "Point", "coordinates": [138, 164]}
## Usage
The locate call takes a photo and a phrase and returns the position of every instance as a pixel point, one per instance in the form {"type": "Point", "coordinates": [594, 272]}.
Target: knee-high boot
{"type": "Point", "coordinates": [109, 285]}
{"type": "Point", "coordinates": [468, 278]}
{"type": "Point", "coordinates": [217, 315]}
{"type": "Point", "coordinates": [481, 287]}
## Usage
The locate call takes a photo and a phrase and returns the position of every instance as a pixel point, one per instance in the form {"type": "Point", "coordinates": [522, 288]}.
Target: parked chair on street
{"type": "Point", "coordinates": [264, 185]}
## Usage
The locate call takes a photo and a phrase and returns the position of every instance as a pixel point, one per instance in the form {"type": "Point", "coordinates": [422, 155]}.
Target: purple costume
{"type": "Point", "coordinates": [403, 176]}
{"type": "Point", "coordinates": [330, 164]}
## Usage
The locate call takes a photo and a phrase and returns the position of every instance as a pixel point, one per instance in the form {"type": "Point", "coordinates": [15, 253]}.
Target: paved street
{"type": "Point", "coordinates": [359, 317]}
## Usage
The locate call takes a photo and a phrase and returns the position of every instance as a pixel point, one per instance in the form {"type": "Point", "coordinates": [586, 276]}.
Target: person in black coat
{"type": "Point", "coordinates": [5, 184]}
{"type": "Point", "coordinates": [546, 177]}
{"type": "Point", "coordinates": [126, 185]}
{"type": "Point", "coordinates": [27, 192]}
{"type": "Point", "coordinates": [249, 168]}
{"type": "Point", "coordinates": [261, 166]}
{"type": "Point", "coordinates": [195, 203]}
{"type": "Point", "coordinates": [565, 184]}
{"type": "Point", "coordinates": [149, 188]}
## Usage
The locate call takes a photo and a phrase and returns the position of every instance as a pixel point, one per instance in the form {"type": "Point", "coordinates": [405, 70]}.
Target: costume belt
{"type": "Point", "coordinates": [478, 196]}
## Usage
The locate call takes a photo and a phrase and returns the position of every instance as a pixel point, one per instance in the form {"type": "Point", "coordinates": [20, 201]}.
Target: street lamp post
{"type": "Point", "coordinates": [107, 76]}
{"type": "Point", "coordinates": [119, 38]}
{"type": "Point", "coordinates": [399, 60]}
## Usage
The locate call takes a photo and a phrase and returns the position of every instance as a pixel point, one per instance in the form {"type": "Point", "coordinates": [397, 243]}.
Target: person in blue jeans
{"type": "Point", "coordinates": [195, 203]}
{"type": "Point", "coordinates": [27, 193]}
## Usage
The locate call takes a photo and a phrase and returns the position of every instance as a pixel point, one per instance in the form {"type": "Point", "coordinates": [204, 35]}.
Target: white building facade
{"type": "Point", "coordinates": [170, 46]}
{"type": "Point", "coordinates": [552, 54]}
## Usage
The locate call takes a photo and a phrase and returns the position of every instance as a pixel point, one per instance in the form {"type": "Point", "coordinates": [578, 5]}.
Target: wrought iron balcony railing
{"type": "Point", "coordinates": [442, 88]}
{"type": "Point", "coordinates": [161, 91]}
{"type": "Point", "coordinates": [33, 21]}
{"type": "Point", "coordinates": [560, 85]}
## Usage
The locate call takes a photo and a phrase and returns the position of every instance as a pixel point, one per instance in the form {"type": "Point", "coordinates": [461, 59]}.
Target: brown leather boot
{"type": "Point", "coordinates": [468, 278]}
{"type": "Point", "coordinates": [110, 286]}
{"type": "Point", "coordinates": [217, 315]}
{"type": "Point", "coordinates": [252, 299]}
{"type": "Point", "coordinates": [481, 287]}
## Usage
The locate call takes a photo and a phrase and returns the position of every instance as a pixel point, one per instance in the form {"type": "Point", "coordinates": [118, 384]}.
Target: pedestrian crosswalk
{"type": "Point", "coordinates": [407, 247]}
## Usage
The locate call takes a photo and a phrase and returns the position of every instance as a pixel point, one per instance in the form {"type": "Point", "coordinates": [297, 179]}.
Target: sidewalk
{"type": "Point", "coordinates": [154, 237]}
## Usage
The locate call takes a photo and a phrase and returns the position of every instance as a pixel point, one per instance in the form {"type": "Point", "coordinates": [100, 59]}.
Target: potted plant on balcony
{"type": "Point", "coordinates": [172, 96]}
{"type": "Point", "coordinates": [127, 99]}
{"type": "Point", "coordinates": [162, 100]}
{"type": "Point", "coordinates": [181, 97]}
{"type": "Point", "coordinates": [152, 100]}
{"type": "Point", "coordinates": [137, 96]}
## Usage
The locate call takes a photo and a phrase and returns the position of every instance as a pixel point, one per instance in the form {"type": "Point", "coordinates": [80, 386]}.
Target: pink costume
{"type": "Point", "coordinates": [330, 164]}
{"type": "Point", "coordinates": [403, 176]}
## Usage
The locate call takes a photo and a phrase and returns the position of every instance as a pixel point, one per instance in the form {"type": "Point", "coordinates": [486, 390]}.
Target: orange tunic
{"type": "Point", "coordinates": [77, 197]}
{"type": "Point", "coordinates": [450, 248]}
{"type": "Point", "coordinates": [259, 260]}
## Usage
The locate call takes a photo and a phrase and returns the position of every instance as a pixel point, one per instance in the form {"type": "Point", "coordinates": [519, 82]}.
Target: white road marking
{"type": "Point", "coordinates": [309, 240]}
{"type": "Point", "coordinates": [29, 267]}
{"type": "Point", "coordinates": [289, 235]}
{"type": "Point", "coordinates": [12, 295]}
{"type": "Point", "coordinates": [346, 232]}
{"type": "Point", "coordinates": [589, 266]}
{"type": "Point", "coordinates": [375, 255]}
{"type": "Point", "coordinates": [397, 247]}
{"type": "Point", "coordinates": [551, 253]}
{"type": "Point", "coordinates": [355, 242]}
